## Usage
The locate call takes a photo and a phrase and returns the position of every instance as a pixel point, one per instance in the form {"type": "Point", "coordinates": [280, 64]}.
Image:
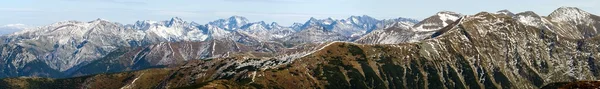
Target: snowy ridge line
{"type": "Point", "coordinates": [323, 47]}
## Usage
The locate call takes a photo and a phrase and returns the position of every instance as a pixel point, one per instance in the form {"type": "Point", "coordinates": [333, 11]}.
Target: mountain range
{"type": "Point", "coordinates": [65, 46]}
{"type": "Point", "coordinates": [446, 50]}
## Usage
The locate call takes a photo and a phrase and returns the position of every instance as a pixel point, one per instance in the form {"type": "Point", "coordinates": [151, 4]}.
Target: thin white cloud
{"type": "Point", "coordinates": [177, 13]}
{"type": "Point", "coordinates": [231, 13]}
{"type": "Point", "coordinates": [11, 28]}
{"type": "Point", "coordinates": [14, 25]}
{"type": "Point", "coordinates": [128, 2]}
{"type": "Point", "coordinates": [281, 18]}
{"type": "Point", "coordinates": [579, 3]}
{"type": "Point", "coordinates": [266, 1]}
{"type": "Point", "coordinates": [18, 9]}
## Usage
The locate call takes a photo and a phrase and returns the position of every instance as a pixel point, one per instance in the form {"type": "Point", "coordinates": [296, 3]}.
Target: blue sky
{"type": "Point", "coordinates": [285, 12]}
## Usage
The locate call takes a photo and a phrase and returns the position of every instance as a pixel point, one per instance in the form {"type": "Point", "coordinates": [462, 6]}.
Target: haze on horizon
{"type": "Point", "coordinates": [284, 12]}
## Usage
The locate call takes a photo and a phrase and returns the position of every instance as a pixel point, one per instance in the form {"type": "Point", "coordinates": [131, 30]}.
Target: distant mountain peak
{"type": "Point", "coordinates": [448, 15]}
{"type": "Point", "coordinates": [361, 18]}
{"type": "Point", "coordinates": [238, 19]}
{"type": "Point", "coordinates": [569, 14]}
{"type": "Point", "coordinates": [99, 20]}
{"type": "Point", "coordinates": [505, 12]}
{"type": "Point", "coordinates": [447, 12]}
{"type": "Point", "coordinates": [437, 21]}
{"type": "Point", "coordinates": [231, 23]}
{"type": "Point", "coordinates": [528, 13]}
{"type": "Point", "coordinates": [176, 19]}
{"type": "Point", "coordinates": [312, 19]}
{"type": "Point", "coordinates": [565, 8]}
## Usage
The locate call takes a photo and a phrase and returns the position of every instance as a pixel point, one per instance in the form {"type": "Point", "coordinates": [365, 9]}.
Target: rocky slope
{"type": "Point", "coordinates": [485, 50]}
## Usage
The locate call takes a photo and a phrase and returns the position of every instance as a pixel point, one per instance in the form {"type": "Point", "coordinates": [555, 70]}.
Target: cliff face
{"type": "Point", "coordinates": [478, 51]}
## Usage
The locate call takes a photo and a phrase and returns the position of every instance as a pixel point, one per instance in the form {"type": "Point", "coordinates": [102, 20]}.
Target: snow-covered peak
{"type": "Point", "coordinates": [311, 22]}
{"type": "Point", "coordinates": [175, 21]}
{"type": "Point", "coordinates": [363, 16]}
{"type": "Point", "coordinates": [569, 14]}
{"type": "Point", "coordinates": [362, 19]}
{"type": "Point", "coordinates": [238, 19]}
{"type": "Point", "coordinates": [146, 22]}
{"type": "Point", "coordinates": [529, 18]}
{"type": "Point", "coordinates": [255, 26]}
{"type": "Point", "coordinates": [505, 12]}
{"type": "Point", "coordinates": [232, 23]}
{"type": "Point", "coordinates": [528, 13]}
{"type": "Point", "coordinates": [275, 24]}
{"type": "Point", "coordinates": [569, 10]}
{"type": "Point", "coordinates": [296, 24]}
{"type": "Point", "coordinates": [437, 21]}
{"type": "Point", "coordinates": [447, 13]}
{"type": "Point", "coordinates": [100, 20]}
{"type": "Point", "coordinates": [312, 19]}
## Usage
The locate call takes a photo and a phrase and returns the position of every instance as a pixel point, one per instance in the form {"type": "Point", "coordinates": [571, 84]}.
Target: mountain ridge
{"type": "Point", "coordinates": [485, 50]}
{"type": "Point", "coordinates": [65, 45]}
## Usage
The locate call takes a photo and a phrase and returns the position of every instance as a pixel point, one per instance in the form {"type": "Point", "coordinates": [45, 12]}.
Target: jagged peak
{"type": "Point", "coordinates": [312, 19]}
{"type": "Point", "coordinates": [274, 24]}
{"type": "Point", "coordinates": [176, 19]}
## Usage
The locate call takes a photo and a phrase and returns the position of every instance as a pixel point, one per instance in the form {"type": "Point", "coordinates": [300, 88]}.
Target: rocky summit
{"type": "Point", "coordinates": [446, 51]}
